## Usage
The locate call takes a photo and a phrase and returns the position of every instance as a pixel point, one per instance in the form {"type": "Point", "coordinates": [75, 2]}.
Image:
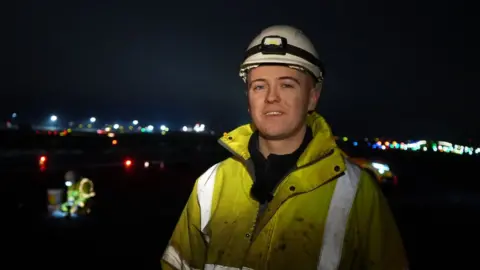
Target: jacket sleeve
{"type": "Point", "coordinates": [187, 247]}
{"type": "Point", "coordinates": [380, 242]}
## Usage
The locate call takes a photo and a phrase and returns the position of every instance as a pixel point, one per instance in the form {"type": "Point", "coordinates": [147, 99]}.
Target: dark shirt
{"type": "Point", "coordinates": [269, 172]}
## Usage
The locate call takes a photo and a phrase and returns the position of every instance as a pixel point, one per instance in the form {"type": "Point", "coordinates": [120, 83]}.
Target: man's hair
{"type": "Point", "coordinates": [311, 79]}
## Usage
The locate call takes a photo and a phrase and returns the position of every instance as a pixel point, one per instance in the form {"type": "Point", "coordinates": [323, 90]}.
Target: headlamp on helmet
{"type": "Point", "coordinates": [273, 45]}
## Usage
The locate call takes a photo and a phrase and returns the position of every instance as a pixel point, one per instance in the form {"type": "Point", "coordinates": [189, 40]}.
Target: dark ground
{"type": "Point", "coordinates": [437, 206]}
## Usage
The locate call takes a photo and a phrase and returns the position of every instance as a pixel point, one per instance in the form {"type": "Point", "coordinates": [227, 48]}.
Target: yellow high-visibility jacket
{"type": "Point", "coordinates": [326, 214]}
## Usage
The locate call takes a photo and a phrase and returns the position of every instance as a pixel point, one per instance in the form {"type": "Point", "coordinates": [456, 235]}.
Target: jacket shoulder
{"type": "Point", "coordinates": [221, 167]}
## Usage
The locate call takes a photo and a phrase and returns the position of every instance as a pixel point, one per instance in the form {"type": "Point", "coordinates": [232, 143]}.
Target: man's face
{"type": "Point", "coordinates": [279, 98]}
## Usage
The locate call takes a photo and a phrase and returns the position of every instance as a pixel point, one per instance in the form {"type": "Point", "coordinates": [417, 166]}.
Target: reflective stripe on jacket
{"type": "Point", "coordinates": [326, 214]}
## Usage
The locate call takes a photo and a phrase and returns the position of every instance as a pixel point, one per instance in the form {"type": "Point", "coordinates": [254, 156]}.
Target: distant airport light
{"type": "Point", "coordinates": [42, 160]}
{"type": "Point", "coordinates": [93, 120]}
{"type": "Point", "coordinates": [53, 118]}
{"type": "Point", "coordinates": [185, 128]}
{"type": "Point", "coordinates": [114, 142]}
{"type": "Point", "coordinates": [146, 164]}
{"type": "Point", "coordinates": [116, 126]}
{"type": "Point", "coordinates": [135, 122]}
{"type": "Point", "coordinates": [128, 163]}
{"type": "Point", "coordinates": [199, 128]}
{"type": "Point", "coordinates": [150, 128]}
{"type": "Point", "coordinates": [382, 168]}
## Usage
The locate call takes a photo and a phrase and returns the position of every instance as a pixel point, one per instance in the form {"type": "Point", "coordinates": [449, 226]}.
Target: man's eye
{"type": "Point", "coordinates": [258, 87]}
{"type": "Point", "coordinates": [286, 85]}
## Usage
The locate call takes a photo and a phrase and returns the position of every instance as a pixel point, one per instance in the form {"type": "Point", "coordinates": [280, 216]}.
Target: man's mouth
{"type": "Point", "coordinates": [273, 113]}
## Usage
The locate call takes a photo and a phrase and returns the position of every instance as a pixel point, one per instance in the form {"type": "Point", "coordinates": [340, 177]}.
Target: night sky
{"type": "Point", "coordinates": [400, 69]}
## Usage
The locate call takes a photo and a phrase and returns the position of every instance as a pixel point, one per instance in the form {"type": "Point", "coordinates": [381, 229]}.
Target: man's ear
{"type": "Point", "coordinates": [314, 95]}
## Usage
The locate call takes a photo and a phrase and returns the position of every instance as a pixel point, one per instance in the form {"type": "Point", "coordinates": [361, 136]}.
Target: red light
{"type": "Point", "coordinates": [395, 180]}
{"type": "Point", "coordinates": [128, 163]}
{"type": "Point", "coordinates": [42, 161]}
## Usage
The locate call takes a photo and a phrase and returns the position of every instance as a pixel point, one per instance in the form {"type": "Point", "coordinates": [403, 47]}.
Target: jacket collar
{"type": "Point", "coordinates": [322, 144]}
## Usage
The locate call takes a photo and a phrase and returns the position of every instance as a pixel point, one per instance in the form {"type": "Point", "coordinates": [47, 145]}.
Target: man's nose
{"type": "Point", "coordinates": [272, 95]}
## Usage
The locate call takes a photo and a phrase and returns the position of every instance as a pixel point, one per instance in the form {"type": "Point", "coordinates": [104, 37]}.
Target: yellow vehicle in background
{"type": "Point", "coordinates": [379, 170]}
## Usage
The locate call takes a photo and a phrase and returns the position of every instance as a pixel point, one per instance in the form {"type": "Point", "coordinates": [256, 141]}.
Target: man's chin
{"type": "Point", "coordinates": [274, 136]}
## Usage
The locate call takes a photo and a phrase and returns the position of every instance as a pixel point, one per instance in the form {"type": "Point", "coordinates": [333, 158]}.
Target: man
{"type": "Point", "coordinates": [78, 193]}
{"type": "Point", "coordinates": [288, 198]}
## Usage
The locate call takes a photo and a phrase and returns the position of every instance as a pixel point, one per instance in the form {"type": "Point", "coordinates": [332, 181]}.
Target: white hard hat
{"type": "Point", "coordinates": [285, 45]}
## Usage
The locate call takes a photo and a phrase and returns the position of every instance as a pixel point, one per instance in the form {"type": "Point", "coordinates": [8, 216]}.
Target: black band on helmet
{"type": "Point", "coordinates": [281, 48]}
